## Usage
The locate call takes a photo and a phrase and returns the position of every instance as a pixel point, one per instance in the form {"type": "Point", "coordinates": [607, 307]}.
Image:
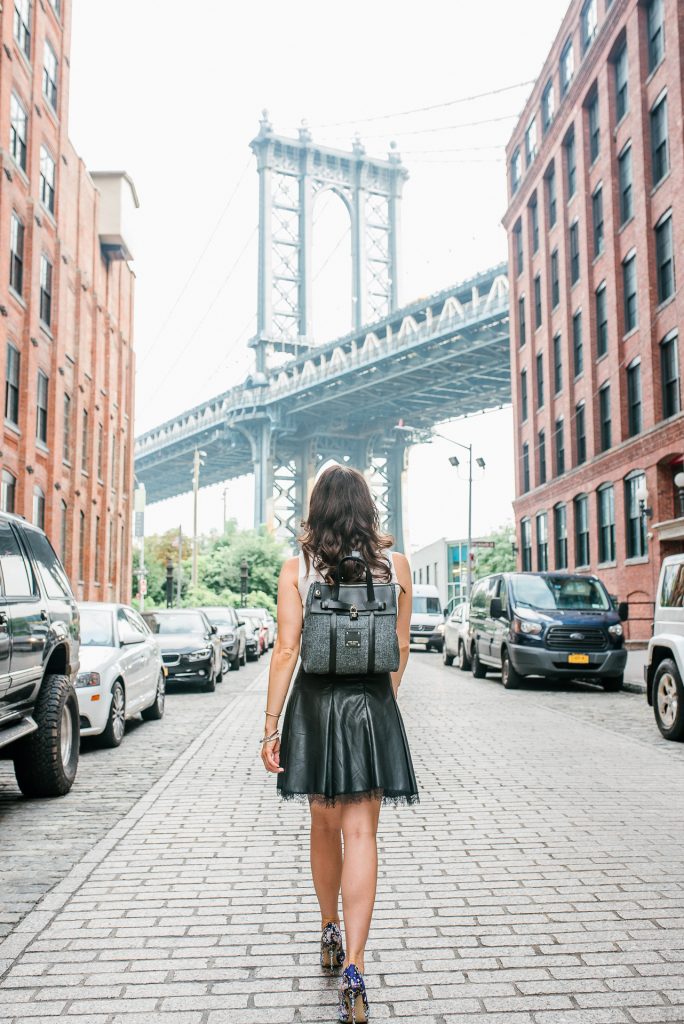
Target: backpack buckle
{"type": "Point", "coordinates": [353, 612]}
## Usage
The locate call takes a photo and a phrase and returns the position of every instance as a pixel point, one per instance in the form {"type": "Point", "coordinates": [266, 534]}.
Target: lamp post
{"type": "Point", "coordinates": [679, 484]}
{"type": "Point", "coordinates": [244, 577]}
{"type": "Point", "coordinates": [197, 462]}
{"type": "Point", "coordinates": [455, 462]}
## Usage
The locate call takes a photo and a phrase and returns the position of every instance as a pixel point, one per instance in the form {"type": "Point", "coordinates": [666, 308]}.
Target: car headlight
{"type": "Point", "coordinates": [616, 631]}
{"type": "Point", "coordinates": [527, 627]}
{"type": "Point", "coordinates": [229, 638]}
{"type": "Point", "coordinates": [440, 628]}
{"type": "Point", "coordinates": [200, 655]}
{"type": "Point", "coordinates": [88, 679]}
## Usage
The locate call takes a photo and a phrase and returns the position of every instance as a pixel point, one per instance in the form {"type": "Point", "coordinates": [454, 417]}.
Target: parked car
{"type": "Point", "coordinates": [39, 630]}
{"type": "Point", "coordinates": [664, 669]}
{"type": "Point", "coordinates": [121, 673]}
{"type": "Point", "coordinates": [270, 624]}
{"type": "Point", "coordinates": [255, 622]}
{"type": "Point", "coordinates": [555, 625]}
{"type": "Point", "coordinates": [232, 637]}
{"type": "Point", "coordinates": [455, 645]}
{"type": "Point", "coordinates": [426, 614]}
{"type": "Point", "coordinates": [436, 638]}
{"type": "Point", "coordinates": [190, 647]}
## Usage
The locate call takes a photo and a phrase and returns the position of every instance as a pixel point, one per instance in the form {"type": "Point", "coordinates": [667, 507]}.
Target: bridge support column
{"type": "Point", "coordinates": [304, 481]}
{"type": "Point", "coordinates": [397, 465]}
{"type": "Point", "coordinates": [263, 477]}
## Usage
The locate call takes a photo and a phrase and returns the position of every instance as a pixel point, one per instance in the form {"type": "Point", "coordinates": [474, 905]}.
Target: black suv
{"type": "Point", "coordinates": [39, 639]}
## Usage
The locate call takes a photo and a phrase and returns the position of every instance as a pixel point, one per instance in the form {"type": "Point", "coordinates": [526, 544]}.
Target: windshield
{"type": "Point", "coordinates": [175, 623]}
{"type": "Point", "coordinates": [219, 619]}
{"type": "Point", "coordinates": [551, 593]}
{"type": "Point", "coordinates": [254, 616]}
{"type": "Point", "coordinates": [97, 628]}
{"type": "Point", "coordinates": [426, 606]}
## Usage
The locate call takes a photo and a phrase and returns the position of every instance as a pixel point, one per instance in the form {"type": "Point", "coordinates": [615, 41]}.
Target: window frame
{"type": "Point", "coordinates": [670, 344]}
{"type": "Point", "coordinates": [601, 311]}
{"type": "Point", "coordinates": [581, 434]}
{"type": "Point", "coordinates": [605, 417]}
{"type": "Point", "coordinates": [42, 406]}
{"type": "Point", "coordinates": [12, 385]}
{"type": "Point", "coordinates": [635, 423]}
{"type": "Point", "coordinates": [630, 298]}
{"type": "Point", "coordinates": [582, 538]}
{"type": "Point", "coordinates": [621, 82]}
{"type": "Point", "coordinates": [665, 267]}
{"type": "Point", "coordinates": [19, 128]}
{"type": "Point", "coordinates": [605, 521]}
{"type": "Point", "coordinates": [660, 140]}
{"type": "Point", "coordinates": [560, 534]}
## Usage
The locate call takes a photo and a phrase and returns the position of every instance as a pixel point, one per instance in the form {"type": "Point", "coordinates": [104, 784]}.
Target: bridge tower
{"type": "Point", "coordinates": [292, 172]}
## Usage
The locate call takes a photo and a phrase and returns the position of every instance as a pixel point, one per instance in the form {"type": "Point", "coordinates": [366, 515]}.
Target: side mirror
{"type": "Point", "coordinates": [129, 637]}
{"type": "Point", "coordinates": [445, 612]}
{"type": "Point", "coordinates": [240, 622]}
{"type": "Point", "coordinates": [623, 611]}
{"type": "Point", "coordinates": [495, 609]}
{"type": "Point", "coordinates": [214, 630]}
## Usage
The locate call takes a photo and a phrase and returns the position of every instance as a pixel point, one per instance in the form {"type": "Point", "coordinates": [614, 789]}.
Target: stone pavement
{"type": "Point", "coordinates": [540, 880]}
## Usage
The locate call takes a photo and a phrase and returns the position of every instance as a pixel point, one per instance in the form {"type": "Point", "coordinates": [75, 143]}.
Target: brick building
{"type": "Point", "coordinates": [596, 232]}
{"type": "Point", "coordinates": [66, 314]}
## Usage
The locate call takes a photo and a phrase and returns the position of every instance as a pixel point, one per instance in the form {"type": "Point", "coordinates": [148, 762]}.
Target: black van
{"type": "Point", "coordinates": [550, 624]}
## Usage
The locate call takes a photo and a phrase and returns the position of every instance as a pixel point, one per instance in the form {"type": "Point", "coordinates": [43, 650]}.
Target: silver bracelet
{"type": "Point", "coordinates": [269, 739]}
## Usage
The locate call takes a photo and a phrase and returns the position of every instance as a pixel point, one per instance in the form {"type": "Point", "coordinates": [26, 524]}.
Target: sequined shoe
{"type": "Point", "coordinates": [353, 1008]}
{"type": "Point", "coordinates": [332, 952]}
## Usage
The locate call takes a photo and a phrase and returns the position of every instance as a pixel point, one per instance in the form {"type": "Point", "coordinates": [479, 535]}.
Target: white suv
{"type": "Point", "coordinates": [664, 670]}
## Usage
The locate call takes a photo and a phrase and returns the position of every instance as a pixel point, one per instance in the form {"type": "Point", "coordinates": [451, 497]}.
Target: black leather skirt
{"type": "Point", "coordinates": [343, 740]}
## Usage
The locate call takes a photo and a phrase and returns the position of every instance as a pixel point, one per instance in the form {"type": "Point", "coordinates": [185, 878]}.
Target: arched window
{"type": "Point", "coordinates": [560, 530]}
{"type": "Point", "coordinates": [635, 520]}
{"type": "Point", "coordinates": [38, 508]}
{"type": "Point", "coordinates": [8, 491]}
{"type": "Point", "coordinates": [606, 522]}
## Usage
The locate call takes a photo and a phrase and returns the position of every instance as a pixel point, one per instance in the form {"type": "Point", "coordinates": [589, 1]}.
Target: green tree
{"type": "Point", "coordinates": [500, 558]}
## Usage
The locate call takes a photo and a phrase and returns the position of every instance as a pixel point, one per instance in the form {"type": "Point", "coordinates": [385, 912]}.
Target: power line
{"type": "Point", "coordinates": [445, 127]}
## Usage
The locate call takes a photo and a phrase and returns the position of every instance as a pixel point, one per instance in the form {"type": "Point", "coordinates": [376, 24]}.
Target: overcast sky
{"type": "Point", "coordinates": [172, 93]}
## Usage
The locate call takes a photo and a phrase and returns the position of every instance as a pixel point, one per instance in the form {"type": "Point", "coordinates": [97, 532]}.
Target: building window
{"type": "Point", "coordinates": [601, 321]}
{"type": "Point", "coordinates": [12, 373]}
{"type": "Point", "coordinates": [634, 398]}
{"type": "Point", "coordinates": [17, 254]}
{"type": "Point", "coordinates": [112, 456]}
{"type": "Point", "coordinates": [660, 157]}
{"type": "Point", "coordinates": [577, 344]}
{"type": "Point", "coordinates": [580, 433]}
{"type": "Point", "coordinates": [606, 523]}
{"type": "Point", "coordinates": [541, 445]}
{"type": "Point", "coordinates": [570, 163]}
{"type": "Point", "coordinates": [526, 544]}
{"type": "Point", "coordinates": [555, 279]}
{"type": "Point", "coordinates": [18, 131]}
{"type": "Point", "coordinates": [665, 258]}
{"type": "Point", "coordinates": [518, 246]}
{"type": "Point", "coordinates": [8, 491]}
{"type": "Point", "coordinates": [588, 24]}
{"type": "Point", "coordinates": [540, 380]}
{"type": "Point", "coordinates": [66, 428]}
{"type": "Point", "coordinates": [84, 441]}
{"type": "Point", "coordinates": [629, 287]}
{"type": "Point", "coordinates": [42, 408]}
{"type": "Point", "coordinates": [605, 421]}
{"type": "Point", "coordinates": [560, 529]}
{"type": "Point", "coordinates": [636, 522]}
{"type": "Point", "coordinates": [656, 34]}
{"type": "Point", "coordinates": [47, 180]}
{"type": "Point", "coordinates": [22, 26]}
{"type": "Point", "coordinates": [63, 531]}
{"type": "Point", "coordinates": [574, 253]}
{"type": "Point", "coordinates": [625, 184]}
{"type": "Point", "coordinates": [669, 375]}
{"type": "Point", "coordinates": [531, 142]}
{"type": "Point", "coordinates": [594, 126]}
{"type": "Point", "coordinates": [581, 530]}
{"type": "Point", "coordinates": [537, 301]}
{"type": "Point", "coordinates": [516, 171]}
{"type": "Point", "coordinates": [557, 364]}
{"type": "Point", "coordinates": [597, 217]}
{"type": "Point", "coordinates": [100, 451]}
{"type": "Point", "coordinates": [525, 468]}
{"type": "Point", "coordinates": [551, 194]}
{"type": "Point", "coordinates": [45, 290]}
{"type": "Point", "coordinates": [523, 395]}
{"type": "Point", "coordinates": [38, 508]}
{"type": "Point", "coordinates": [522, 323]}
{"type": "Point", "coordinates": [621, 83]}
{"type": "Point", "coordinates": [112, 553]}
{"type": "Point", "coordinates": [96, 559]}
{"type": "Point", "coordinates": [567, 67]}
{"type": "Point", "coordinates": [534, 222]}
{"type": "Point", "coordinates": [547, 106]}
{"type": "Point", "coordinates": [559, 437]}
{"type": "Point", "coordinates": [542, 542]}
{"type": "Point", "coordinates": [50, 75]}
{"type": "Point", "coordinates": [81, 545]}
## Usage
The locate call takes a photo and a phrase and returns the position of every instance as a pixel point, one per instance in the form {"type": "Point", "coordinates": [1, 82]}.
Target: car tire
{"type": "Point", "coordinates": [226, 665]}
{"type": "Point", "coordinates": [668, 700]}
{"type": "Point", "coordinates": [611, 684]}
{"type": "Point", "coordinates": [235, 663]}
{"type": "Point", "coordinates": [510, 677]}
{"type": "Point", "coordinates": [210, 684]}
{"type": "Point", "coordinates": [243, 658]}
{"type": "Point", "coordinates": [45, 762]}
{"type": "Point", "coordinates": [476, 666]}
{"type": "Point", "coordinates": [156, 710]}
{"type": "Point", "coordinates": [447, 658]}
{"type": "Point", "coordinates": [116, 719]}
{"type": "Point", "coordinates": [462, 659]}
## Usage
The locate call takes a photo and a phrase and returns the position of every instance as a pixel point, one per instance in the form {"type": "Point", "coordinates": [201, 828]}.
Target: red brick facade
{"type": "Point", "coordinates": [71, 465]}
{"type": "Point", "coordinates": [627, 57]}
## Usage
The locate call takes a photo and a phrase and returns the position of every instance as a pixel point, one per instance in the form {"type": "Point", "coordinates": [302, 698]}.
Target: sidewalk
{"type": "Point", "coordinates": [634, 673]}
{"type": "Point", "coordinates": [540, 880]}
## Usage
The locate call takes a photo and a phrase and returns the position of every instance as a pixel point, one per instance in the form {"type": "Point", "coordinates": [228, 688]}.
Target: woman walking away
{"type": "Point", "coordinates": [347, 601]}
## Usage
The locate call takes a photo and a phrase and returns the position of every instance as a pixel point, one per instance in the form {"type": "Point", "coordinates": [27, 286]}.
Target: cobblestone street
{"type": "Point", "coordinates": [539, 881]}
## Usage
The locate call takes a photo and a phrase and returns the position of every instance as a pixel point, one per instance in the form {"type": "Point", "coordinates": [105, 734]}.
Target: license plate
{"type": "Point", "coordinates": [578, 659]}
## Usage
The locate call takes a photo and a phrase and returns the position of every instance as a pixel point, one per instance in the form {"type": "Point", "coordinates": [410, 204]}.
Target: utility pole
{"type": "Point", "coordinates": [470, 520]}
{"type": "Point", "coordinates": [180, 565]}
{"type": "Point", "coordinates": [197, 462]}
{"type": "Point", "coordinates": [225, 508]}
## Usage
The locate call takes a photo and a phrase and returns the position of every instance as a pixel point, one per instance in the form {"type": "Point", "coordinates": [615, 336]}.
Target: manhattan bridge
{"type": "Point", "coordinates": [360, 399]}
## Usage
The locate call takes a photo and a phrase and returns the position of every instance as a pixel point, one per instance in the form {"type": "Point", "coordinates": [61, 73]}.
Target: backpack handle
{"type": "Point", "coordinates": [354, 557]}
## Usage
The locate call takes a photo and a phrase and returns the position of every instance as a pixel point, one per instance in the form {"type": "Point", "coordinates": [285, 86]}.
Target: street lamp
{"type": "Point", "coordinates": [244, 577]}
{"type": "Point", "coordinates": [679, 484]}
{"type": "Point", "coordinates": [455, 462]}
{"type": "Point", "coordinates": [197, 462]}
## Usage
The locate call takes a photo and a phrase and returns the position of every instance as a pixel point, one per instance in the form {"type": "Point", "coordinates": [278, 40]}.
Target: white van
{"type": "Point", "coordinates": [426, 614]}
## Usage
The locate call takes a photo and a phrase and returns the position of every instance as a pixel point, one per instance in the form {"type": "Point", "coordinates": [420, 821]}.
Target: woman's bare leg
{"type": "Point", "coordinates": [359, 875]}
{"type": "Point", "coordinates": [326, 859]}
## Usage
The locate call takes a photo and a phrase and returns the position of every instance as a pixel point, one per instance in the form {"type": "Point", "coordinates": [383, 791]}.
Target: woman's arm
{"type": "Point", "coordinates": [284, 658]}
{"type": "Point", "coordinates": [403, 571]}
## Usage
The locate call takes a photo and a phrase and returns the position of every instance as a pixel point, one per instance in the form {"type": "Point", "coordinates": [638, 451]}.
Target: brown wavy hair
{"type": "Point", "coordinates": [343, 518]}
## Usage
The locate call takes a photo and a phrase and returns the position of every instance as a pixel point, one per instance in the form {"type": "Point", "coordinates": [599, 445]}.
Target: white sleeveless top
{"type": "Point", "coordinates": [305, 579]}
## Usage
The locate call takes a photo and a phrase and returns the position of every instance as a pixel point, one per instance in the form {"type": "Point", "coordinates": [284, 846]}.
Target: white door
{"type": "Point", "coordinates": [133, 661]}
{"type": "Point", "coordinates": [152, 656]}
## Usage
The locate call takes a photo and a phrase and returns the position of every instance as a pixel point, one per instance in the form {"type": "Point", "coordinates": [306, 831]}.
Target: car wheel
{"type": "Point", "coordinates": [462, 659]}
{"type": "Point", "coordinates": [611, 684]}
{"type": "Point", "coordinates": [243, 658]}
{"type": "Point", "coordinates": [448, 659]}
{"type": "Point", "coordinates": [509, 676]}
{"type": "Point", "coordinates": [668, 700]}
{"type": "Point", "coordinates": [235, 662]}
{"type": "Point", "coordinates": [116, 720]}
{"type": "Point", "coordinates": [156, 710]}
{"type": "Point", "coordinates": [477, 668]}
{"type": "Point", "coordinates": [210, 684]}
{"type": "Point", "coordinates": [219, 675]}
{"type": "Point", "coordinates": [45, 762]}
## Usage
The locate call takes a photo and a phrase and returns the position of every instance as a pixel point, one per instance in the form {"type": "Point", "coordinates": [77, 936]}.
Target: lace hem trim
{"type": "Point", "coordinates": [387, 799]}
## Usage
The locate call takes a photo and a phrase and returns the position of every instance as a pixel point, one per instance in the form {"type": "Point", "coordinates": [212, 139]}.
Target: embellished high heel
{"type": "Point", "coordinates": [332, 951]}
{"type": "Point", "coordinates": [353, 1008]}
